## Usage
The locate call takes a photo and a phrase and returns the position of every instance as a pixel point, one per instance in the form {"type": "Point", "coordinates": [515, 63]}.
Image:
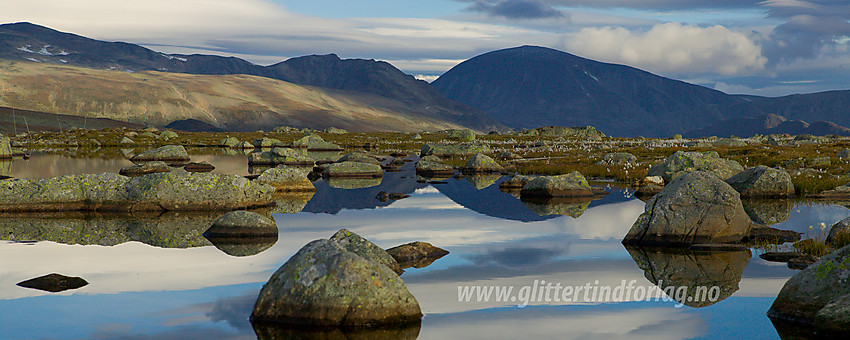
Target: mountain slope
{"type": "Point", "coordinates": [230, 102]}
{"type": "Point", "coordinates": [530, 86]}
{"type": "Point", "coordinates": [386, 87]}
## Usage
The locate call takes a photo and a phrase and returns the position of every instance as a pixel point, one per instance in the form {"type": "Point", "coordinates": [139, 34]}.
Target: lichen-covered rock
{"type": "Point", "coordinates": [683, 162]}
{"type": "Point", "coordinates": [316, 143]}
{"type": "Point", "coordinates": [144, 169]}
{"type": "Point", "coordinates": [449, 150]}
{"type": "Point", "coordinates": [5, 147]}
{"type": "Point", "coordinates": [352, 183]}
{"type": "Point", "coordinates": [266, 142]}
{"type": "Point", "coordinates": [278, 156]}
{"type": "Point", "coordinates": [242, 223]}
{"type": "Point", "coordinates": [463, 135]}
{"type": "Point", "coordinates": [516, 182]}
{"type": "Point", "coordinates": [817, 295]}
{"type": "Point", "coordinates": [358, 157]}
{"type": "Point", "coordinates": [353, 170]}
{"type": "Point", "coordinates": [341, 281]}
{"type": "Point", "coordinates": [481, 163]}
{"type": "Point", "coordinates": [244, 146]}
{"type": "Point", "coordinates": [168, 153]}
{"type": "Point", "coordinates": [762, 181]}
{"type": "Point", "coordinates": [839, 231]}
{"type": "Point", "coordinates": [507, 155]}
{"type": "Point", "coordinates": [229, 142]}
{"type": "Point", "coordinates": [695, 208]}
{"type": "Point", "coordinates": [168, 134]}
{"type": "Point", "coordinates": [336, 131]}
{"type": "Point", "coordinates": [416, 254]}
{"type": "Point", "coordinates": [567, 185]}
{"type": "Point", "coordinates": [285, 178]}
{"type": "Point", "coordinates": [110, 191]}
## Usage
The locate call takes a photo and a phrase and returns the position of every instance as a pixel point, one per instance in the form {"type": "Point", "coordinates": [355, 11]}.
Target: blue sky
{"type": "Point", "coordinates": [765, 47]}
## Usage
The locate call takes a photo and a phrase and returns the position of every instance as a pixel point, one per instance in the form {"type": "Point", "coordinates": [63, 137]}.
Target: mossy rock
{"type": "Point", "coordinates": [567, 185]}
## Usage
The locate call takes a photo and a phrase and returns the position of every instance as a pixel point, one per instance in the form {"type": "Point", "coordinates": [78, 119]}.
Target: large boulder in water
{"type": "Point", "coordinates": [818, 296]}
{"type": "Point", "coordinates": [567, 185]}
{"type": "Point", "coordinates": [683, 162]}
{"type": "Point", "coordinates": [481, 163]}
{"type": "Point", "coordinates": [762, 181]}
{"type": "Point", "coordinates": [285, 178]}
{"type": "Point", "coordinates": [353, 170]}
{"type": "Point", "coordinates": [242, 223]}
{"type": "Point", "coordinates": [341, 281]}
{"type": "Point", "coordinates": [168, 153]}
{"type": "Point", "coordinates": [695, 208]}
{"type": "Point", "coordinates": [358, 157]}
{"type": "Point", "coordinates": [278, 156]}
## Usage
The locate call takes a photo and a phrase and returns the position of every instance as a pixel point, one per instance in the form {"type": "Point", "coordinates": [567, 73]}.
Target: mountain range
{"type": "Point", "coordinates": [368, 84]}
{"type": "Point", "coordinates": [766, 125]}
{"type": "Point", "coordinates": [522, 87]}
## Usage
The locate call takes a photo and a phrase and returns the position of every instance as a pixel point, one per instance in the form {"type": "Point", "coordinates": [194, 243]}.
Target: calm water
{"type": "Point", "coordinates": [156, 277]}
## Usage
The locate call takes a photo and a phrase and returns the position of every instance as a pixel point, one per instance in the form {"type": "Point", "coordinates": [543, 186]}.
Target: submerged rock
{"type": "Point", "coordinates": [695, 208]}
{"type": "Point", "coordinates": [762, 181]}
{"type": "Point", "coordinates": [416, 254]}
{"type": "Point", "coordinates": [567, 185]}
{"type": "Point", "coordinates": [818, 296]}
{"type": "Point", "coordinates": [54, 283]}
{"type": "Point", "coordinates": [683, 162]}
{"type": "Point", "coordinates": [168, 153]}
{"type": "Point", "coordinates": [341, 281]}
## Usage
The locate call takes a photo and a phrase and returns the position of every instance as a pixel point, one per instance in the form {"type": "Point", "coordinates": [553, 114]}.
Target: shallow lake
{"type": "Point", "coordinates": [155, 276]}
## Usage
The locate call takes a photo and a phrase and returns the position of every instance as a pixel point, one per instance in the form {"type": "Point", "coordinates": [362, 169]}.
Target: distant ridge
{"type": "Point", "coordinates": [766, 125]}
{"type": "Point", "coordinates": [382, 85]}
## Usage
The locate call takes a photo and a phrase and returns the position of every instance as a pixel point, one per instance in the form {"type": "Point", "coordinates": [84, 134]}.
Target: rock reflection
{"type": "Point", "coordinates": [352, 183]}
{"type": "Point", "coordinates": [290, 202]}
{"type": "Point", "coordinates": [672, 267]}
{"type": "Point", "coordinates": [166, 230]}
{"type": "Point", "coordinates": [243, 246]}
{"type": "Point", "coordinates": [482, 181]}
{"type": "Point", "coordinates": [54, 283]}
{"type": "Point", "coordinates": [266, 331]}
{"type": "Point", "coordinates": [768, 211]}
{"type": "Point", "coordinates": [569, 206]}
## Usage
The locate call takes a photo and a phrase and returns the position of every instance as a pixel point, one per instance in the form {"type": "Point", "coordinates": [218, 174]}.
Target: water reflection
{"type": "Point", "coordinates": [768, 211]}
{"type": "Point", "coordinates": [166, 230]}
{"type": "Point", "coordinates": [283, 332]}
{"type": "Point", "coordinates": [695, 270]}
{"type": "Point", "coordinates": [569, 206]}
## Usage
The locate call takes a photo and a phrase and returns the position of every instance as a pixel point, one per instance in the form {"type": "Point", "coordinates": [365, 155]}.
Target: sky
{"type": "Point", "coordinates": [761, 47]}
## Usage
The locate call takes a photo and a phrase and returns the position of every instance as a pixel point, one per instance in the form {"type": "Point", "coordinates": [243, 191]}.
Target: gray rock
{"type": "Point", "coordinates": [144, 169]}
{"type": "Point", "coordinates": [762, 181]}
{"type": "Point", "coordinates": [168, 134]}
{"type": "Point", "coordinates": [416, 254]}
{"type": "Point", "coordinates": [429, 168]}
{"type": "Point", "coordinates": [683, 162]}
{"type": "Point", "coordinates": [127, 141]}
{"type": "Point", "coordinates": [695, 208]}
{"type": "Point", "coordinates": [516, 182]}
{"type": "Point", "coordinates": [168, 153]}
{"type": "Point", "coordinates": [844, 154]}
{"type": "Point", "coordinates": [508, 155]}
{"type": "Point", "coordinates": [266, 142]}
{"type": "Point", "coordinates": [353, 170]}
{"type": "Point", "coordinates": [839, 232]}
{"type": "Point", "coordinates": [280, 156]}
{"type": "Point", "coordinates": [244, 146]}
{"type": "Point", "coordinates": [481, 163]}
{"type": "Point", "coordinates": [336, 131]}
{"type": "Point", "coordinates": [341, 281]}
{"type": "Point", "coordinates": [242, 223]}
{"type": "Point", "coordinates": [110, 191]}
{"type": "Point", "coordinates": [819, 162]}
{"type": "Point", "coordinates": [806, 295]}
{"type": "Point", "coordinates": [229, 142]}
{"type": "Point", "coordinates": [315, 142]}
{"type": "Point", "coordinates": [352, 183]}
{"type": "Point", "coordinates": [463, 135]}
{"type": "Point", "coordinates": [567, 185]}
{"type": "Point", "coordinates": [285, 178]}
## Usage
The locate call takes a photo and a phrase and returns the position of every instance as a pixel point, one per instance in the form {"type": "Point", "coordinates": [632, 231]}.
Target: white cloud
{"type": "Point", "coordinates": [672, 48]}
